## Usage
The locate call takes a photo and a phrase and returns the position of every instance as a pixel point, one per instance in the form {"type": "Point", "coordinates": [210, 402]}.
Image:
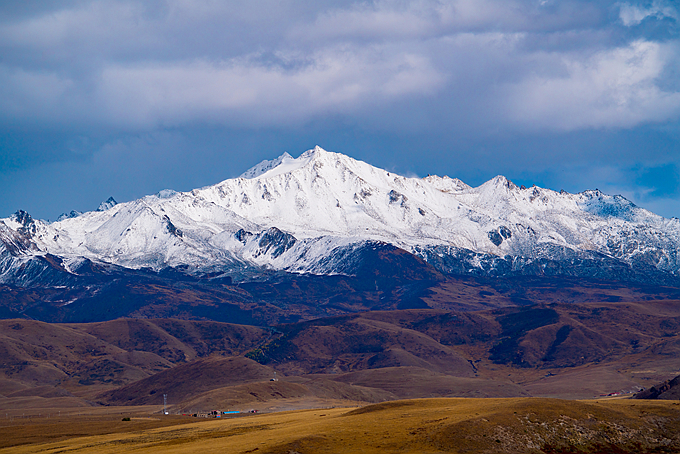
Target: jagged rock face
{"type": "Point", "coordinates": [171, 227]}
{"type": "Point", "coordinates": [17, 241]}
{"type": "Point", "coordinates": [498, 235]}
{"type": "Point", "coordinates": [107, 204]}
{"type": "Point", "coordinates": [27, 224]}
{"type": "Point", "coordinates": [311, 214]}
{"type": "Point", "coordinates": [69, 215]}
{"type": "Point", "coordinates": [276, 241]}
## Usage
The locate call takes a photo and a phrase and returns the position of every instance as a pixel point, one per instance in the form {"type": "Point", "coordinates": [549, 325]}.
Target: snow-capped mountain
{"type": "Point", "coordinates": [312, 213]}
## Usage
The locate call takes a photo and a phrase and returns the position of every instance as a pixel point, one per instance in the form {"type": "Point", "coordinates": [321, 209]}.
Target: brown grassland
{"type": "Point", "coordinates": [483, 381]}
{"type": "Point", "coordinates": [455, 425]}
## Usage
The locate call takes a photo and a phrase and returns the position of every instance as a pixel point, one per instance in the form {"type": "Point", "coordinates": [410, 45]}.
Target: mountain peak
{"type": "Point", "coordinates": [166, 193]}
{"type": "Point", "coordinates": [317, 151]}
{"type": "Point", "coordinates": [265, 166]}
{"type": "Point", "coordinates": [107, 204]}
{"type": "Point", "coordinates": [22, 217]}
{"type": "Point", "coordinates": [284, 164]}
{"type": "Point", "coordinates": [446, 183]}
{"type": "Point", "coordinates": [499, 182]}
{"type": "Point", "coordinates": [324, 205]}
{"type": "Point", "coordinates": [70, 215]}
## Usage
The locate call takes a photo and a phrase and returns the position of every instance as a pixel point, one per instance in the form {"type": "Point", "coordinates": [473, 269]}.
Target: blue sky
{"type": "Point", "coordinates": [126, 98]}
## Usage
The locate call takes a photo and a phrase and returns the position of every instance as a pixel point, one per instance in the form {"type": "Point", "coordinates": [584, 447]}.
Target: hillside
{"type": "Point", "coordinates": [554, 350]}
{"type": "Point", "coordinates": [389, 279]}
{"type": "Point", "coordinates": [668, 390]}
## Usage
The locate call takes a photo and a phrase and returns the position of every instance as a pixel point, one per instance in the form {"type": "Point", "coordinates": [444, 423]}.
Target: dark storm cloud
{"type": "Point", "coordinates": [525, 85]}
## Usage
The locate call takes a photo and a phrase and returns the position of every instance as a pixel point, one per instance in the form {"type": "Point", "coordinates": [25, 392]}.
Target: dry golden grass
{"type": "Point", "coordinates": [517, 425]}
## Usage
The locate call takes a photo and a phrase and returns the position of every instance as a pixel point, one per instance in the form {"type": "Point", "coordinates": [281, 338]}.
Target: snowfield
{"type": "Point", "coordinates": [308, 214]}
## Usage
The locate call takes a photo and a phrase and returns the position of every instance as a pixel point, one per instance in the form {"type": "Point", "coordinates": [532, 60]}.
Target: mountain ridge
{"type": "Point", "coordinates": [311, 214]}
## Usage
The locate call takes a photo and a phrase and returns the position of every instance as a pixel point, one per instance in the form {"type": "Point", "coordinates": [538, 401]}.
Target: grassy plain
{"type": "Point", "coordinates": [456, 425]}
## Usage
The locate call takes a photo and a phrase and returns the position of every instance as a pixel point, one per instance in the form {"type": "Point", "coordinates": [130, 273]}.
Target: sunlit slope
{"type": "Point", "coordinates": [419, 426]}
{"type": "Point", "coordinates": [310, 214]}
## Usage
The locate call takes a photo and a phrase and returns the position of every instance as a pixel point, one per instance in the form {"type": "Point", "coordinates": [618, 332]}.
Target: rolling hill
{"type": "Point", "coordinates": [554, 350]}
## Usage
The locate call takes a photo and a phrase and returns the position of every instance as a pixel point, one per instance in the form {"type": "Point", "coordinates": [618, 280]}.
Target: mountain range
{"type": "Point", "coordinates": [320, 213]}
{"type": "Point", "coordinates": [320, 280]}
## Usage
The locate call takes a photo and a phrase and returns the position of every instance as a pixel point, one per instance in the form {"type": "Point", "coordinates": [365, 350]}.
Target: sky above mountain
{"type": "Point", "coordinates": [126, 98]}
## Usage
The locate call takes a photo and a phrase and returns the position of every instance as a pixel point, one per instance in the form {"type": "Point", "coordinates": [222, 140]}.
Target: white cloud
{"type": "Point", "coordinates": [418, 19]}
{"type": "Point", "coordinates": [613, 88]}
{"type": "Point", "coordinates": [124, 64]}
{"type": "Point", "coordinates": [377, 20]}
{"type": "Point", "coordinates": [242, 90]}
{"type": "Point", "coordinates": [631, 14]}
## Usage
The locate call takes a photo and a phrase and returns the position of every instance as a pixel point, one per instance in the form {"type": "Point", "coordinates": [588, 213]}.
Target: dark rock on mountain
{"type": "Point", "coordinates": [668, 390]}
{"type": "Point", "coordinates": [276, 241]}
{"type": "Point", "coordinates": [107, 204]}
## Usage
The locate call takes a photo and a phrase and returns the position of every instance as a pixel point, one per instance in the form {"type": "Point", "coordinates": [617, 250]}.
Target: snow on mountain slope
{"type": "Point", "coordinates": [266, 166]}
{"type": "Point", "coordinates": [308, 215]}
{"type": "Point", "coordinates": [107, 204]}
{"type": "Point", "coordinates": [329, 194]}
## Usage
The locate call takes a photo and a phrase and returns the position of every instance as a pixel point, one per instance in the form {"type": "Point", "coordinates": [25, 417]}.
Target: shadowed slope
{"type": "Point", "coordinates": [188, 380]}
{"type": "Point", "coordinates": [556, 350]}
{"type": "Point", "coordinates": [668, 390]}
